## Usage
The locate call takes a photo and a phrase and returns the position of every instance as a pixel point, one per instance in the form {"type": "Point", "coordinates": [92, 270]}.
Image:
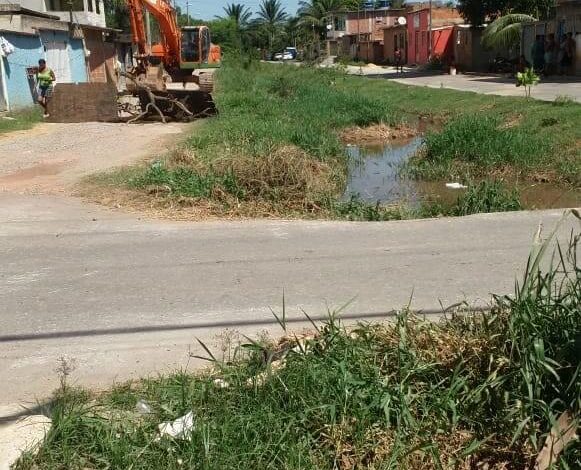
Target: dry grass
{"type": "Point", "coordinates": [286, 183]}
{"type": "Point", "coordinates": [376, 133]}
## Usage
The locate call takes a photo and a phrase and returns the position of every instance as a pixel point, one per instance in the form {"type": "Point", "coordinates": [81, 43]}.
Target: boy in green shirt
{"type": "Point", "coordinates": [45, 78]}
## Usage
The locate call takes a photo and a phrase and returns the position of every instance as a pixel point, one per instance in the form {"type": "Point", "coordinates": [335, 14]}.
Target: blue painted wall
{"type": "Point", "coordinates": [28, 49]}
{"type": "Point", "coordinates": [75, 51]}
{"type": "Point", "coordinates": [78, 61]}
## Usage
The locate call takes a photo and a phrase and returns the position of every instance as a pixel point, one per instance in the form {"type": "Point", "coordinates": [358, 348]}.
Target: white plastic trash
{"type": "Point", "coordinates": [455, 186]}
{"type": "Point", "coordinates": [181, 428]}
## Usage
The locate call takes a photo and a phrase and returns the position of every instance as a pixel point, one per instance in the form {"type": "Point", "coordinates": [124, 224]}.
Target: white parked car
{"type": "Point", "coordinates": [283, 56]}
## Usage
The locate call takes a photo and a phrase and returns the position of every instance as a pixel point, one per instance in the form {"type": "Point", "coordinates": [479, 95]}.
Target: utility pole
{"type": "Point", "coordinates": [188, 12]}
{"type": "Point", "coordinates": [430, 52]}
{"type": "Point", "coordinates": [148, 29]}
{"type": "Point", "coordinates": [358, 29]}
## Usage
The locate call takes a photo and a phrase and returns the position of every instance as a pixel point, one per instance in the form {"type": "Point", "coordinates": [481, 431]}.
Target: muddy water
{"type": "Point", "coordinates": [374, 176]}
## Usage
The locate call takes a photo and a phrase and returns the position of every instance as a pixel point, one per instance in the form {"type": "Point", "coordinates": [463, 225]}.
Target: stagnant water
{"type": "Point", "coordinates": [374, 176]}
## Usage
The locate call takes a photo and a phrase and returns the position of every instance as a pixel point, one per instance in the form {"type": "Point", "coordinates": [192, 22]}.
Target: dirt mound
{"type": "Point", "coordinates": [376, 133]}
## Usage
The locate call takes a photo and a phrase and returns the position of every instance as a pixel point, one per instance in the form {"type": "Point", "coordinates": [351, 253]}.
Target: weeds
{"type": "Point", "coordinates": [477, 390]}
{"type": "Point", "coordinates": [484, 142]}
{"type": "Point", "coordinates": [20, 120]}
{"type": "Point", "coordinates": [276, 148]}
{"type": "Point", "coordinates": [564, 100]}
{"type": "Point", "coordinates": [357, 210]}
{"type": "Point", "coordinates": [486, 196]}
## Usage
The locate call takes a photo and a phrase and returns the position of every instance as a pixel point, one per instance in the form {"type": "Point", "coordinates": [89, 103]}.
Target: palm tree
{"type": "Point", "coordinates": [505, 31]}
{"type": "Point", "coordinates": [315, 15]}
{"type": "Point", "coordinates": [237, 12]}
{"type": "Point", "coordinates": [320, 12]}
{"type": "Point", "coordinates": [271, 15]}
{"type": "Point", "coordinates": [397, 4]}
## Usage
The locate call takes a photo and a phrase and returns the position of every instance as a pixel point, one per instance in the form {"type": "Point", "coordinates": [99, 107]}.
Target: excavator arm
{"type": "Point", "coordinates": [165, 15]}
{"type": "Point", "coordinates": [138, 33]}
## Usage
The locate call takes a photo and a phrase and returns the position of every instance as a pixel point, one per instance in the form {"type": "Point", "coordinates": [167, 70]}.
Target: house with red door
{"type": "Point", "coordinates": [443, 20]}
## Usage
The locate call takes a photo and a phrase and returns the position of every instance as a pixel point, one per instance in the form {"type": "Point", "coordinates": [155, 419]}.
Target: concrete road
{"type": "Point", "coordinates": [548, 89]}
{"type": "Point", "coordinates": [123, 296]}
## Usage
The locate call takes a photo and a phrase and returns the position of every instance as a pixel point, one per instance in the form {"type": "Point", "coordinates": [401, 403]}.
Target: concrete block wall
{"type": "Point", "coordinates": [83, 102]}
{"type": "Point", "coordinates": [102, 56]}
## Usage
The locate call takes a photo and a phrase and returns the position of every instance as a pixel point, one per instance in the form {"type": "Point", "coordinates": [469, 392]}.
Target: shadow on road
{"type": "Point", "coordinates": [222, 324]}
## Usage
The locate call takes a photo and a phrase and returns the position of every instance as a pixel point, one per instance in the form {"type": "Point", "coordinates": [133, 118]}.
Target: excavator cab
{"type": "Point", "coordinates": [197, 50]}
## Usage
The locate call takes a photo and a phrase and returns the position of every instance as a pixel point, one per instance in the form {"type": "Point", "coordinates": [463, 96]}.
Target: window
{"type": "Point", "coordinates": [190, 45]}
{"type": "Point", "coordinates": [65, 5]}
{"type": "Point", "coordinates": [90, 5]}
{"type": "Point", "coordinates": [205, 44]}
{"type": "Point", "coordinates": [416, 21]}
{"type": "Point", "coordinates": [98, 6]}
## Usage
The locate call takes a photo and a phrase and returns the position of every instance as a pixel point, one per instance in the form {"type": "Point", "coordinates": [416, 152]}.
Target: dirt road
{"type": "Point", "coordinates": [51, 158]}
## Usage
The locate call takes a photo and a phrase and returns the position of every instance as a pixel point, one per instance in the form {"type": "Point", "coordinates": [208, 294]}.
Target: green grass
{"type": "Point", "coordinates": [480, 197]}
{"type": "Point", "coordinates": [270, 114]}
{"type": "Point", "coordinates": [479, 390]}
{"type": "Point", "coordinates": [482, 142]}
{"type": "Point", "coordinates": [20, 120]}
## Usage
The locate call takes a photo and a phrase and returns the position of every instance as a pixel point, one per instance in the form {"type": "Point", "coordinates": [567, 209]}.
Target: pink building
{"type": "Point", "coordinates": [418, 33]}
{"type": "Point", "coordinates": [369, 24]}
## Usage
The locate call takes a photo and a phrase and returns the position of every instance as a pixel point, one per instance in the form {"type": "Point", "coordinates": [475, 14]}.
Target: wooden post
{"type": "Point", "coordinates": [4, 84]}
{"type": "Point", "coordinates": [430, 47]}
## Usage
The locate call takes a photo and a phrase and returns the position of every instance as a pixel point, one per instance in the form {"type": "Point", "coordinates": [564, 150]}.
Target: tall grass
{"type": "Point", "coordinates": [262, 107]}
{"type": "Point", "coordinates": [476, 390]}
{"type": "Point", "coordinates": [487, 196]}
{"type": "Point", "coordinates": [482, 143]}
{"type": "Point", "coordinates": [267, 111]}
{"type": "Point", "coordinates": [20, 120]}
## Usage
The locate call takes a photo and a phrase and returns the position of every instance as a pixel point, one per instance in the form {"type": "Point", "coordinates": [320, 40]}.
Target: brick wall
{"type": "Point", "coordinates": [83, 102]}
{"type": "Point", "coordinates": [393, 37]}
{"type": "Point", "coordinates": [101, 57]}
{"type": "Point", "coordinates": [418, 32]}
{"type": "Point", "coordinates": [371, 22]}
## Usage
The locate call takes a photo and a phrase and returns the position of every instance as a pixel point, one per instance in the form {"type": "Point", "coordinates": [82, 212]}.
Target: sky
{"type": "Point", "coordinates": [208, 9]}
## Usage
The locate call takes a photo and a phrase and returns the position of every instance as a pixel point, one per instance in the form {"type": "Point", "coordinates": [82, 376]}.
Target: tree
{"type": "Point", "coordinates": [116, 14]}
{"type": "Point", "coordinates": [538, 8]}
{"type": "Point", "coordinates": [505, 32]}
{"type": "Point", "coordinates": [271, 17]}
{"type": "Point", "coordinates": [319, 13]}
{"type": "Point", "coordinates": [479, 12]}
{"type": "Point", "coordinates": [527, 79]}
{"type": "Point", "coordinates": [239, 13]}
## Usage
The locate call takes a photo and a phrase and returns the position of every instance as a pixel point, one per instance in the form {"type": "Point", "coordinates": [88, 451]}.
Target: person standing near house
{"type": "Point", "coordinates": [44, 78]}
{"type": "Point", "coordinates": [551, 54]}
{"type": "Point", "coordinates": [538, 54]}
{"type": "Point", "coordinates": [568, 54]}
{"type": "Point", "coordinates": [398, 59]}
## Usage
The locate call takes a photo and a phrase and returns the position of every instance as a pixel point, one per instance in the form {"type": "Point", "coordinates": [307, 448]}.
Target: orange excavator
{"type": "Point", "coordinates": [184, 55]}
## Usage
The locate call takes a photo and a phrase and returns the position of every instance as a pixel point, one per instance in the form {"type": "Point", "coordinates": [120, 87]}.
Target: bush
{"type": "Point", "coordinates": [487, 196]}
{"type": "Point", "coordinates": [485, 141]}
